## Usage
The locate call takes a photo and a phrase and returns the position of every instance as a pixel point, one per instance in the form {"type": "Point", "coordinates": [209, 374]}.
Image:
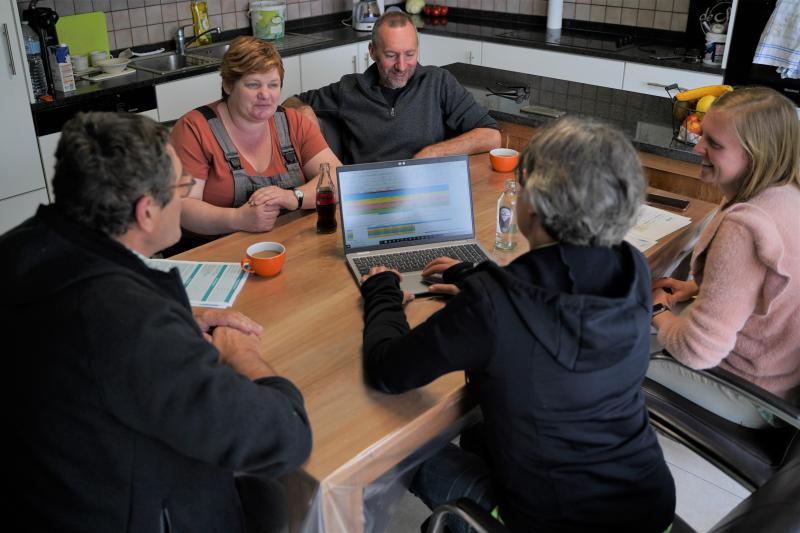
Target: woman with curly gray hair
{"type": "Point", "coordinates": [555, 347]}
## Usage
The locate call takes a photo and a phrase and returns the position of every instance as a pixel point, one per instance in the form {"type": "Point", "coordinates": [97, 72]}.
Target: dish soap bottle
{"type": "Point", "coordinates": [200, 21]}
{"type": "Point", "coordinates": [507, 217]}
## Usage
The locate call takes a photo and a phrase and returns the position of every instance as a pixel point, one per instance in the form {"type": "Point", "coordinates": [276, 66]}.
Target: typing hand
{"type": "Point", "coordinates": [407, 296]}
{"type": "Point", "coordinates": [437, 266]}
{"type": "Point", "coordinates": [677, 290]}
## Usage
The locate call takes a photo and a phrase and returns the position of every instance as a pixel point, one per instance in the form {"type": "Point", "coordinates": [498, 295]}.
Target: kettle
{"type": "Point", "coordinates": [366, 13]}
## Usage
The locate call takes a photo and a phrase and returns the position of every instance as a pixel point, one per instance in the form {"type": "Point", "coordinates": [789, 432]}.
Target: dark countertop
{"type": "Point", "coordinates": [645, 119]}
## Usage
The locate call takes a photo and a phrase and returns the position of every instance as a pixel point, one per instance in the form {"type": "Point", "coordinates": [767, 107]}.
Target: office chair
{"type": "Point", "coordinates": [773, 507]}
{"type": "Point", "coordinates": [751, 456]}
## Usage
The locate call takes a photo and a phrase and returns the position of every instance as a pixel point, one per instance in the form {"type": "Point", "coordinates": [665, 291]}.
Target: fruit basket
{"type": "Point", "coordinates": [688, 109]}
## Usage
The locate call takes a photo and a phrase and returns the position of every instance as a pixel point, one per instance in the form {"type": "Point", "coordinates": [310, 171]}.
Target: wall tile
{"type": "Point", "coordinates": [155, 33]}
{"type": "Point", "coordinates": [680, 6]}
{"type": "Point", "coordinates": [169, 12]}
{"type": "Point", "coordinates": [135, 3]}
{"type": "Point", "coordinates": [305, 10]}
{"type": "Point", "coordinates": [582, 12]}
{"type": "Point", "coordinates": [500, 6]}
{"type": "Point", "coordinates": [662, 20]}
{"type": "Point", "coordinates": [568, 11]}
{"type": "Point", "coordinates": [633, 4]}
{"type": "Point", "coordinates": [101, 5]}
{"type": "Point", "coordinates": [139, 36]}
{"type": "Point", "coordinates": [214, 7]}
{"type": "Point", "coordinates": [647, 4]}
{"type": "Point", "coordinates": [138, 18]}
{"type": "Point", "coordinates": [316, 8]}
{"type": "Point", "coordinates": [597, 13]}
{"type": "Point", "coordinates": [229, 21]}
{"type": "Point", "coordinates": [644, 19]}
{"type": "Point", "coordinates": [678, 22]}
{"type": "Point", "coordinates": [112, 42]}
{"type": "Point", "coordinates": [613, 15]}
{"type": "Point", "coordinates": [116, 5]}
{"type": "Point", "coordinates": [170, 28]}
{"type": "Point", "coordinates": [121, 20]}
{"type": "Point", "coordinates": [293, 12]}
{"type": "Point", "coordinates": [628, 17]}
{"type": "Point", "coordinates": [153, 14]}
{"type": "Point", "coordinates": [109, 22]}
{"type": "Point", "coordinates": [65, 7]}
{"type": "Point", "coordinates": [664, 5]}
{"type": "Point", "coordinates": [228, 6]}
{"type": "Point", "coordinates": [539, 8]}
{"type": "Point", "coordinates": [83, 6]}
{"type": "Point", "coordinates": [615, 3]}
{"type": "Point", "coordinates": [152, 2]}
{"type": "Point", "coordinates": [241, 5]}
{"type": "Point", "coordinates": [583, 1]}
{"type": "Point", "coordinates": [474, 4]}
{"type": "Point", "coordinates": [598, 2]}
{"type": "Point", "coordinates": [123, 38]}
{"type": "Point", "coordinates": [512, 6]}
{"type": "Point", "coordinates": [242, 19]}
{"type": "Point", "coordinates": [184, 11]}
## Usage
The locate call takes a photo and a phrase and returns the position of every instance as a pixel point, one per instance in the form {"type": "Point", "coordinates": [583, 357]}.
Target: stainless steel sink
{"type": "Point", "coordinates": [168, 63]}
{"type": "Point", "coordinates": [213, 51]}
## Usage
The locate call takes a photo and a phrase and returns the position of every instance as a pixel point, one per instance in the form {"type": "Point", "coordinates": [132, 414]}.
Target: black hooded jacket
{"type": "Point", "coordinates": [555, 347]}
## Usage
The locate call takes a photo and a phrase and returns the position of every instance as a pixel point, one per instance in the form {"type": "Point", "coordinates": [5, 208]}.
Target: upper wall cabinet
{"type": "Point", "coordinates": [569, 67]}
{"type": "Point", "coordinates": [652, 80]}
{"type": "Point", "coordinates": [440, 51]}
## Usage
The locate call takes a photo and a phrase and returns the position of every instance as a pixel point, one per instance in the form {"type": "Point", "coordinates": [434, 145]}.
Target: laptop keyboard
{"type": "Point", "coordinates": [416, 260]}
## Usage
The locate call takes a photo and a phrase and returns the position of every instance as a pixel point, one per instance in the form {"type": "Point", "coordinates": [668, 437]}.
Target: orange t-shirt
{"type": "Point", "coordinates": [203, 158]}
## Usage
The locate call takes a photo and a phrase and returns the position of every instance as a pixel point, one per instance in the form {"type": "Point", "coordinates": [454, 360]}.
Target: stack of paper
{"type": "Point", "coordinates": [208, 284]}
{"type": "Point", "coordinates": [653, 224]}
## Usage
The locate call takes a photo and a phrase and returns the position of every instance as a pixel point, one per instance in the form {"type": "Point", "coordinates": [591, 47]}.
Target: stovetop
{"type": "Point", "coordinates": [575, 38]}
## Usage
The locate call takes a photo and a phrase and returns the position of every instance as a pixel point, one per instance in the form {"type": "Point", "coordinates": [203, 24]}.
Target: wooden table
{"type": "Point", "coordinates": [312, 316]}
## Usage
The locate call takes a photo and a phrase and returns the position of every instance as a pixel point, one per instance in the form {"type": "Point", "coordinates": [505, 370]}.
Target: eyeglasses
{"type": "Point", "coordinates": [185, 188]}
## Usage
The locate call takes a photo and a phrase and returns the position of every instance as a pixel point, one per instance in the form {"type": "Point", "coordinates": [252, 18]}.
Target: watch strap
{"type": "Point", "coordinates": [299, 195]}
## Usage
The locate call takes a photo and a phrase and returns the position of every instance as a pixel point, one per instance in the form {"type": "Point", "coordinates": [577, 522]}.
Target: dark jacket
{"type": "Point", "coordinates": [361, 127]}
{"type": "Point", "coordinates": [123, 418]}
{"type": "Point", "coordinates": [555, 346]}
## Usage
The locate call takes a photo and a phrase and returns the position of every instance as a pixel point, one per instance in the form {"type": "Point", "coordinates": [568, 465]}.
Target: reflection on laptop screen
{"type": "Point", "coordinates": [405, 202]}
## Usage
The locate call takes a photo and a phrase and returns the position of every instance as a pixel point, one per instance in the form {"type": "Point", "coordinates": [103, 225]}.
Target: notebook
{"type": "Point", "coordinates": [403, 214]}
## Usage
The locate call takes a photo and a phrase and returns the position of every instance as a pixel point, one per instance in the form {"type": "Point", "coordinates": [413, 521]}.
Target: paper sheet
{"type": "Point", "coordinates": [652, 224]}
{"type": "Point", "coordinates": [208, 284]}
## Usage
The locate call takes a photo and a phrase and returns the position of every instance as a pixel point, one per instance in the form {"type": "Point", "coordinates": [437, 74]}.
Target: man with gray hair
{"type": "Point", "coordinates": [398, 109]}
{"type": "Point", "coordinates": [130, 413]}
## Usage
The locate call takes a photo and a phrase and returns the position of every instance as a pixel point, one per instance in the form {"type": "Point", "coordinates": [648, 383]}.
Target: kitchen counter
{"type": "Point", "coordinates": [645, 119]}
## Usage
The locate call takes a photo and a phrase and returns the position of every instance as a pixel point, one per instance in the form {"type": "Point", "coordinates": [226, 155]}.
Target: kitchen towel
{"type": "Point", "coordinates": [780, 41]}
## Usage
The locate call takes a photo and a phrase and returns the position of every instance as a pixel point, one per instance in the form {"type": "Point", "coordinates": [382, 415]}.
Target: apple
{"type": "Point", "coordinates": [692, 124]}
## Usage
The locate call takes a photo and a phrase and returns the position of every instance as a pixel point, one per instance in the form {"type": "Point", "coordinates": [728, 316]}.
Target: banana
{"type": "Point", "coordinates": [695, 94]}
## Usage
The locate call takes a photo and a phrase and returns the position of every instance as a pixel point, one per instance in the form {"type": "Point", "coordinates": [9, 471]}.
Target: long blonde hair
{"type": "Point", "coordinates": [767, 125]}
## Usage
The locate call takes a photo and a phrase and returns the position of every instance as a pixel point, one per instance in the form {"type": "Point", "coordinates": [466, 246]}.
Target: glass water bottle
{"type": "Point", "coordinates": [506, 217]}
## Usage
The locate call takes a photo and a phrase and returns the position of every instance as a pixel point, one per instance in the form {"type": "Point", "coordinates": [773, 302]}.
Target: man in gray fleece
{"type": "Point", "coordinates": [398, 109]}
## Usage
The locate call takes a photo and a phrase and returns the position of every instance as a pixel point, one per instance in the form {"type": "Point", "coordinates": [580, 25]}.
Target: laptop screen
{"type": "Point", "coordinates": [403, 203]}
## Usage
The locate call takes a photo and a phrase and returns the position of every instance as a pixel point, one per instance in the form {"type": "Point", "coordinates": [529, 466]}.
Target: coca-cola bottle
{"type": "Point", "coordinates": [326, 201]}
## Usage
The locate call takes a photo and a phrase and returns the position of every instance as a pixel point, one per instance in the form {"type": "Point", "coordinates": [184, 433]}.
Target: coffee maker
{"type": "Point", "coordinates": [366, 13]}
{"type": "Point", "coordinates": [43, 21]}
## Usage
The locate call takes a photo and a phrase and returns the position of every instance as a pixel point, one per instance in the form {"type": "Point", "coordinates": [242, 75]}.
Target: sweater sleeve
{"type": "Point", "coordinates": [325, 101]}
{"type": "Point", "coordinates": [396, 359]}
{"type": "Point", "coordinates": [156, 374]}
{"type": "Point", "coordinates": [461, 112]}
{"type": "Point", "coordinates": [733, 277]}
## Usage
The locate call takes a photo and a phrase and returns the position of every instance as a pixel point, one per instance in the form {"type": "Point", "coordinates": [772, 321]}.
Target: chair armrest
{"type": "Point", "coordinates": [470, 512]}
{"type": "Point", "coordinates": [769, 402]}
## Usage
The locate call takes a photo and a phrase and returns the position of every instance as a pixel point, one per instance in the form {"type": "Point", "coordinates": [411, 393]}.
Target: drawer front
{"type": "Point", "coordinates": [651, 80]}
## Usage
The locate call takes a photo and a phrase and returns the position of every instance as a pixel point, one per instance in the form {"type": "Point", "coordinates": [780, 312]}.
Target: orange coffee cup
{"type": "Point", "coordinates": [504, 159]}
{"type": "Point", "coordinates": [264, 258]}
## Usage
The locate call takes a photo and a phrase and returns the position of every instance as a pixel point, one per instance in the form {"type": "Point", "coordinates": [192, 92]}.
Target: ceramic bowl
{"type": "Point", "coordinates": [504, 159]}
{"type": "Point", "coordinates": [114, 65]}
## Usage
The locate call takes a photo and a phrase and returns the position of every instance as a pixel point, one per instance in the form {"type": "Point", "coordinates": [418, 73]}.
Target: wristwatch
{"type": "Point", "coordinates": [299, 195]}
{"type": "Point", "coordinates": [659, 308]}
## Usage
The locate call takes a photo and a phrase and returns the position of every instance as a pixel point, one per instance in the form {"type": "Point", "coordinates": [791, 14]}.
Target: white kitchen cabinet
{"type": "Point", "coordinates": [570, 67]}
{"type": "Point", "coordinates": [648, 79]}
{"type": "Point", "coordinates": [21, 178]}
{"type": "Point", "coordinates": [49, 143]}
{"type": "Point", "coordinates": [364, 60]}
{"type": "Point", "coordinates": [440, 51]}
{"type": "Point", "coordinates": [318, 69]}
{"type": "Point", "coordinates": [178, 97]}
{"type": "Point", "coordinates": [291, 77]}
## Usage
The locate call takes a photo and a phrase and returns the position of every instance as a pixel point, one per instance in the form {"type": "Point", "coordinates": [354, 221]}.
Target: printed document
{"type": "Point", "coordinates": [208, 284]}
{"type": "Point", "coordinates": [652, 224]}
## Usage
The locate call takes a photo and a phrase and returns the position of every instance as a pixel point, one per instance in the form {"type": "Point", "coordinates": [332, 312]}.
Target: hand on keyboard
{"type": "Point", "coordinates": [407, 296]}
{"type": "Point", "coordinates": [435, 269]}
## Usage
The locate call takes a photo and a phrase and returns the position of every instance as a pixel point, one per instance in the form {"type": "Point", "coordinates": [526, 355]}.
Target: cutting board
{"type": "Point", "coordinates": [83, 33]}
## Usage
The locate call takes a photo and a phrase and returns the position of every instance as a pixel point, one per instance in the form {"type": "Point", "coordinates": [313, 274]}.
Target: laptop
{"type": "Point", "coordinates": [403, 214]}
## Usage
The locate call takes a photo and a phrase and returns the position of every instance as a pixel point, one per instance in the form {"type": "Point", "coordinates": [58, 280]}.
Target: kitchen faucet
{"type": "Point", "coordinates": [181, 42]}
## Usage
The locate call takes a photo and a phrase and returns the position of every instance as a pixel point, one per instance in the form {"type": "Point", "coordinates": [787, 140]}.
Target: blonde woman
{"type": "Point", "coordinates": [746, 265]}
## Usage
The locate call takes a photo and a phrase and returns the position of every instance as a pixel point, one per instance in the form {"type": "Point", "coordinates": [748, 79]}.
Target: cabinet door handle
{"type": "Point", "coordinates": [355, 68]}
{"type": "Point", "coordinates": [10, 51]}
{"type": "Point", "coordinates": [469, 57]}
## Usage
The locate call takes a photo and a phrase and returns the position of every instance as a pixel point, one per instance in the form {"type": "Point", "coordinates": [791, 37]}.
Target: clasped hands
{"type": "Point", "coordinates": [262, 209]}
{"type": "Point", "coordinates": [237, 338]}
{"type": "Point", "coordinates": [679, 291]}
{"type": "Point", "coordinates": [437, 266]}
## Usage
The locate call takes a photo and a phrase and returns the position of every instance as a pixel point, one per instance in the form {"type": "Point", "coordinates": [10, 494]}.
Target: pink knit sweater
{"type": "Point", "coordinates": [746, 317]}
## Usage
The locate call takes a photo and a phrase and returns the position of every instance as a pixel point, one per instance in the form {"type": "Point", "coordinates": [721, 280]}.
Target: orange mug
{"type": "Point", "coordinates": [504, 159]}
{"type": "Point", "coordinates": [264, 258]}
